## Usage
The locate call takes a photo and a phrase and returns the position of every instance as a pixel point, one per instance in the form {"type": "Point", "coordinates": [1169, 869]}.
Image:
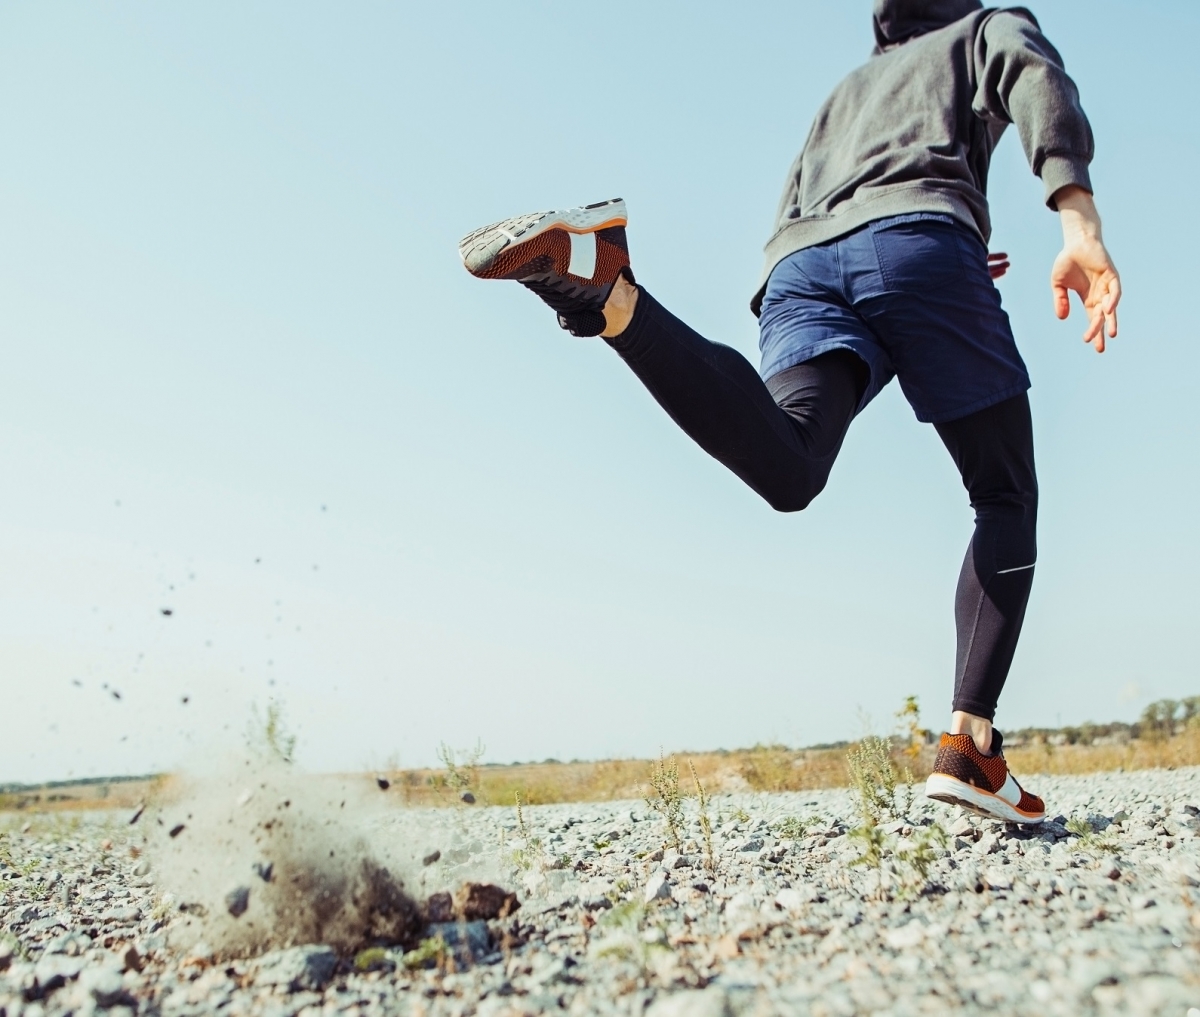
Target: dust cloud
{"type": "Point", "coordinates": [262, 857]}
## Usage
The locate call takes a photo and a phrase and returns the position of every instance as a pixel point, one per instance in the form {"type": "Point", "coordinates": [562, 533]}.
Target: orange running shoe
{"type": "Point", "coordinates": [962, 775]}
{"type": "Point", "coordinates": [570, 258]}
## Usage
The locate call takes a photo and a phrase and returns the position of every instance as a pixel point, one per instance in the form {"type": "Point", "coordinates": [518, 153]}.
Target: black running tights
{"type": "Point", "coordinates": [782, 438]}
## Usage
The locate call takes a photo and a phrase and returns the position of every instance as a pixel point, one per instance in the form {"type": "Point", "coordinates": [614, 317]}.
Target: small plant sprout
{"type": "Point", "coordinates": [461, 778]}
{"type": "Point", "coordinates": [1089, 840]}
{"type": "Point", "coordinates": [665, 798]}
{"type": "Point", "coordinates": [791, 828]}
{"type": "Point", "coordinates": [911, 731]}
{"type": "Point", "coordinates": [875, 781]}
{"type": "Point", "coordinates": [268, 735]}
{"type": "Point", "coordinates": [429, 953]}
{"type": "Point", "coordinates": [702, 800]}
{"type": "Point", "coordinates": [916, 855]}
{"type": "Point", "coordinates": [529, 854]}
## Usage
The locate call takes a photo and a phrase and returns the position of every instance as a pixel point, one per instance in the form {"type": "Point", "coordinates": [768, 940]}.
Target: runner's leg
{"type": "Point", "coordinates": [993, 450]}
{"type": "Point", "coordinates": [780, 437]}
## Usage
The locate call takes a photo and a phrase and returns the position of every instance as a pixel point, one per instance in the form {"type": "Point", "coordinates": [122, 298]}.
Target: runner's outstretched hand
{"type": "Point", "coordinates": [1084, 266]}
{"type": "Point", "coordinates": [998, 264]}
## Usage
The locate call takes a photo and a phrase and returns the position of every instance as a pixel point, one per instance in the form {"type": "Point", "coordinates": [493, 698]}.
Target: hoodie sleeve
{"type": "Point", "coordinates": [1021, 81]}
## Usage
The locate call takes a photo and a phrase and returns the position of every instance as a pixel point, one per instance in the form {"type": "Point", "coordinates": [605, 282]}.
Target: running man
{"type": "Point", "coordinates": [878, 267]}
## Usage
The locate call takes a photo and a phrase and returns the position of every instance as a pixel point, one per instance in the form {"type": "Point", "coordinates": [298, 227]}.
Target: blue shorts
{"type": "Point", "coordinates": [911, 295]}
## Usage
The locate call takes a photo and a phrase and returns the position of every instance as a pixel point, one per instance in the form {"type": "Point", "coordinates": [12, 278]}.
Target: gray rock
{"type": "Point", "coordinates": [658, 887]}
{"type": "Point", "coordinates": [711, 1002]}
{"type": "Point", "coordinates": [237, 901]}
{"type": "Point", "coordinates": [998, 879]}
{"type": "Point", "coordinates": [962, 827]}
{"type": "Point", "coordinates": [301, 967]}
{"type": "Point", "coordinates": [105, 986]}
{"type": "Point", "coordinates": [56, 971]}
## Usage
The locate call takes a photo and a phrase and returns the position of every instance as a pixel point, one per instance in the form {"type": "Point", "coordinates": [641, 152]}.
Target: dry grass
{"type": "Point", "coordinates": [122, 794]}
{"type": "Point", "coordinates": [1140, 754]}
{"type": "Point", "coordinates": [774, 768]}
{"type": "Point", "coordinates": [763, 768]}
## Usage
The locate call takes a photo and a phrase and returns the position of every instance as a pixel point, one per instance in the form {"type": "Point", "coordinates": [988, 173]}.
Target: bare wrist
{"type": "Point", "coordinates": [1078, 214]}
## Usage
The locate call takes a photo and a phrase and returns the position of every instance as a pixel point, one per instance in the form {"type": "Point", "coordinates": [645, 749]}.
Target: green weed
{"type": "Point", "coordinates": [429, 953]}
{"type": "Point", "coordinates": [1089, 840]}
{"type": "Point", "coordinates": [874, 779]}
{"type": "Point", "coordinates": [371, 959]}
{"type": "Point", "coordinates": [267, 733]}
{"type": "Point", "coordinates": [795, 828]}
{"type": "Point", "coordinates": [903, 864]}
{"type": "Point", "coordinates": [529, 854]}
{"type": "Point", "coordinates": [702, 802]}
{"type": "Point", "coordinates": [665, 798]}
{"type": "Point", "coordinates": [462, 771]}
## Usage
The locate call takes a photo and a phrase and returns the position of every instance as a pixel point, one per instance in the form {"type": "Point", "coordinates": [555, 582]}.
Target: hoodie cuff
{"type": "Point", "coordinates": [1059, 171]}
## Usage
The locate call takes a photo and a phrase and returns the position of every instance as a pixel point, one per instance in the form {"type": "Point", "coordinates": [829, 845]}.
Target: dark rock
{"type": "Point", "coordinates": [467, 941]}
{"type": "Point", "coordinates": [264, 870]}
{"type": "Point", "coordinates": [237, 901]}
{"type": "Point", "coordinates": [432, 857]}
{"type": "Point", "coordinates": [439, 908]}
{"type": "Point", "coordinates": [597, 903]}
{"type": "Point", "coordinates": [383, 783]}
{"type": "Point", "coordinates": [137, 815]}
{"type": "Point", "coordinates": [484, 901]}
{"type": "Point", "coordinates": [177, 829]}
{"type": "Point", "coordinates": [468, 797]}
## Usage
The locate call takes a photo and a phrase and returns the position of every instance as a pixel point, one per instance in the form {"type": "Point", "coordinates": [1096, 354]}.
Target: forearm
{"type": "Point", "coordinates": [1078, 215]}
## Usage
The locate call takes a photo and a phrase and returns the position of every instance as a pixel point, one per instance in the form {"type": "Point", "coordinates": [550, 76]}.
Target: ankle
{"type": "Point", "coordinates": [619, 308]}
{"type": "Point", "coordinates": [979, 728]}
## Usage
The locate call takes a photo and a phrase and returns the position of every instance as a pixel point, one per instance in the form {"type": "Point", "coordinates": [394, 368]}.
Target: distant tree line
{"type": "Point", "coordinates": [1162, 719]}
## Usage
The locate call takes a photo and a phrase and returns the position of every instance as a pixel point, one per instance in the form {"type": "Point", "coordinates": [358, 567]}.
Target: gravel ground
{"type": "Point", "coordinates": [613, 920]}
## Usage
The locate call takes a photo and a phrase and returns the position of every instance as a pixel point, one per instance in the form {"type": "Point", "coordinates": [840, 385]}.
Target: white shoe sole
{"type": "Point", "coordinates": [952, 791]}
{"type": "Point", "coordinates": [480, 248]}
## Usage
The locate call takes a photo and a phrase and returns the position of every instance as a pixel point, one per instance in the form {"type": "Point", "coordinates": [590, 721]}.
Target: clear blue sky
{"type": "Point", "coordinates": [245, 378]}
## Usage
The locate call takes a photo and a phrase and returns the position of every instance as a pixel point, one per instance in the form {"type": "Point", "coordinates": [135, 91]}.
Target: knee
{"type": "Point", "coordinates": [795, 498]}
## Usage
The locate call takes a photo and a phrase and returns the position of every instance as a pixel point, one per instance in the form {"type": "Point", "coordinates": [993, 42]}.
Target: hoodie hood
{"type": "Point", "coordinates": [898, 21]}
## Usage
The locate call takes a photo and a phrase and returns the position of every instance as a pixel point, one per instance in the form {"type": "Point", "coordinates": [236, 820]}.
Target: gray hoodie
{"type": "Point", "coordinates": [914, 128]}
